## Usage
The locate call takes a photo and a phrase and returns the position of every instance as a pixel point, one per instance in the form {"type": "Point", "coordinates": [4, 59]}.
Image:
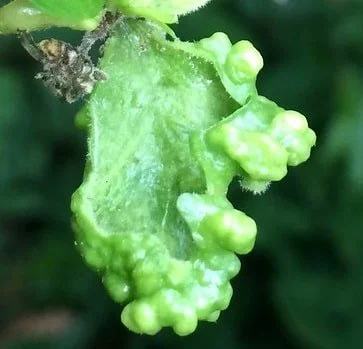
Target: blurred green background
{"type": "Point", "coordinates": [302, 285]}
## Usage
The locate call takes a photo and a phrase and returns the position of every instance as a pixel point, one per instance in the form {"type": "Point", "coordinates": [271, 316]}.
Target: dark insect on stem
{"type": "Point", "coordinates": [68, 71]}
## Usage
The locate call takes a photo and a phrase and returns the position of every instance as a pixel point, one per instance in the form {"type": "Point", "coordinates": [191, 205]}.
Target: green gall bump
{"type": "Point", "coordinates": [93, 257]}
{"type": "Point", "coordinates": [218, 46]}
{"type": "Point", "coordinates": [291, 129]}
{"type": "Point", "coordinates": [179, 272]}
{"type": "Point", "coordinates": [258, 154]}
{"type": "Point", "coordinates": [194, 207]}
{"type": "Point", "coordinates": [186, 323]}
{"type": "Point", "coordinates": [118, 289]}
{"type": "Point", "coordinates": [243, 62]}
{"type": "Point", "coordinates": [226, 299]}
{"type": "Point", "coordinates": [146, 280]}
{"type": "Point", "coordinates": [214, 316]}
{"type": "Point", "coordinates": [232, 229]}
{"type": "Point", "coordinates": [263, 139]}
{"type": "Point", "coordinates": [140, 317]}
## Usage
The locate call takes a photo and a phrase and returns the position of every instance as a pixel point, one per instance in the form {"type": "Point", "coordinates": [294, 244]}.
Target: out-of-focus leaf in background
{"type": "Point", "coordinates": [75, 9]}
{"type": "Point", "coordinates": [301, 287]}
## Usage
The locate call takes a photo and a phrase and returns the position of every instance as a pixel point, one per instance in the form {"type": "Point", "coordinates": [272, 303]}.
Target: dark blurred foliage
{"type": "Point", "coordinates": [301, 287]}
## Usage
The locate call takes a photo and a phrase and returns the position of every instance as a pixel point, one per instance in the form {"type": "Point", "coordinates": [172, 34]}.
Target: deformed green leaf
{"type": "Point", "coordinates": [165, 140]}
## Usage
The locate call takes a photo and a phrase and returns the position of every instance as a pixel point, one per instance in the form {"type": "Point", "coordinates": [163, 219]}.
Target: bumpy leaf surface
{"type": "Point", "coordinates": [168, 130]}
